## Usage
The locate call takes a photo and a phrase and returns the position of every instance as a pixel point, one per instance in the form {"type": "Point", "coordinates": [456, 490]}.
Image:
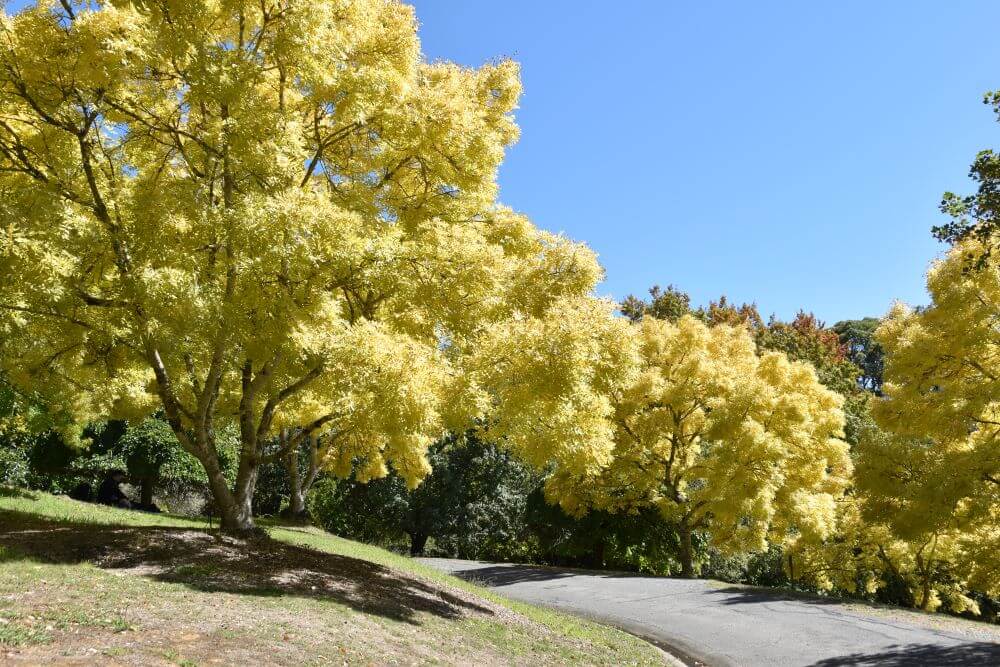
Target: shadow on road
{"type": "Point", "coordinates": [505, 575]}
{"type": "Point", "coordinates": [738, 595]}
{"type": "Point", "coordinates": [979, 653]}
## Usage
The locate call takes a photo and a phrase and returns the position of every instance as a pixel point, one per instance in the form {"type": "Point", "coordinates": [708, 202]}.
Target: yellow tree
{"type": "Point", "coordinates": [273, 214]}
{"type": "Point", "coordinates": [744, 447]}
{"type": "Point", "coordinates": [889, 537]}
{"type": "Point", "coordinates": [935, 474]}
{"type": "Point", "coordinates": [904, 485]}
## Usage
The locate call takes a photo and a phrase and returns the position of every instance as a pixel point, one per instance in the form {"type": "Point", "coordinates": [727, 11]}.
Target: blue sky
{"type": "Point", "coordinates": [791, 154]}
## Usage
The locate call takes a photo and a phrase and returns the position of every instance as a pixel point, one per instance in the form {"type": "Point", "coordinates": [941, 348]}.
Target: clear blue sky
{"type": "Point", "coordinates": [788, 153]}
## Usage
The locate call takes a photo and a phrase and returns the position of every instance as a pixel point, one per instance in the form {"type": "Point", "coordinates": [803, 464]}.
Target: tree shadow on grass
{"type": "Point", "coordinates": [974, 653]}
{"type": "Point", "coordinates": [212, 562]}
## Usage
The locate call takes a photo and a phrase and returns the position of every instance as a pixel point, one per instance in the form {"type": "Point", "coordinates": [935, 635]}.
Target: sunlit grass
{"type": "Point", "coordinates": [93, 600]}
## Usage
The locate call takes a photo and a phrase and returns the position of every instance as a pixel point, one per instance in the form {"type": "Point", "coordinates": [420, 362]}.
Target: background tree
{"type": "Point", "coordinates": [473, 504]}
{"type": "Point", "coordinates": [640, 542]}
{"type": "Point", "coordinates": [725, 312]}
{"type": "Point", "coordinates": [154, 457]}
{"type": "Point", "coordinates": [976, 217]}
{"type": "Point", "coordinates": [720, 440]}
{"type": "Point", "coordinates": [808, 339]}
{"type": "Point", "coordinates": [858, 339]}
{"type": "Point", "coordinates": [670, 304]}
{"type": "Point", "coordinates": [302, 468]}
{"type": "Point", "coordinates": [207, 214]}
{"type": "Point", "coordinates": [941, 470]}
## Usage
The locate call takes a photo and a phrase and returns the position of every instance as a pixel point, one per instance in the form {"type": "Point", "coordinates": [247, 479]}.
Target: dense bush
{"type": "Point", "coordinates": [641, 542]}
{"type": "Point", "coordinates": [14, 466]}
{"type": "Point", "coordinates": [159, 469]}
{"type": "Point", "coordinates": [271, 492]}
{"type": "Point", "coordinates": [472, 505]}
{"type": "Point", "coordinates": [481, 503]}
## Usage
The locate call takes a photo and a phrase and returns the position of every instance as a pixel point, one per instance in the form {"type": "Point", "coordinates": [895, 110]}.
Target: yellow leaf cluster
{"type": "Point", "coordinates": [718, 438]}
{"type": "Point", "coordinates": [279, 216]}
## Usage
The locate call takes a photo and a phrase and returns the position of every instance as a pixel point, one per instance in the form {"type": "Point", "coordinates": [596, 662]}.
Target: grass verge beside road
{"type": "Point", "coordinates": [81, 582]}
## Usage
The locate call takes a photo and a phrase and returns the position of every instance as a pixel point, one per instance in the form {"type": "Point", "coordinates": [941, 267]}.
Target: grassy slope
{"type": "Point", "coordinates": [306, 597]}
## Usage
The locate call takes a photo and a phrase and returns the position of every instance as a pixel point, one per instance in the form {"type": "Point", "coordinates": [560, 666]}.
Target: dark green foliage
{"type": "Point", "coordinates": [976, 216]}
{"type": "Point", "coordinates": [482, 494]}
{"type": "Point", "coordinates": [481, 503]}
{"type": "Point", "coordinates": [858, 339]}
{"type": "Point", "coordinates": [14, 465]}
{"type": "Point", "coordinates": [641, 542]}
{"type": "Point", "coordinates": [22, 419]}
{"type": "Point", "coordinates": [375, 512]}
{"type": "Point", "coordinates": [755, 569]}
{"type": "Point", "coordinates": [669, 304]}
{"type": "Point", "coordinates": [50, 455]}
{"type": "Point", "coordinates": [472, 504]}
{"type": "Point", "coordinates": [271, 491]}
{"type": "Point", "coordinates": [154, 459]}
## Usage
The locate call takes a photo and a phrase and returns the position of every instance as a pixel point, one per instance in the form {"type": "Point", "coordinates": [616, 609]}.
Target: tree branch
{"type": "Point", "coordinates": [267, 414]}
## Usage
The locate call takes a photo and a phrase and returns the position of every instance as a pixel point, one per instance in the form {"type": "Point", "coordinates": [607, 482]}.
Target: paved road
{"type": "Point", "coordinates": [708, 622]}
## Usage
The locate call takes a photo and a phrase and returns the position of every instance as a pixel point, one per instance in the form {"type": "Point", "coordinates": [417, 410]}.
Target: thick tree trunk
{"type": "Point", "coordinates": [235, 506]}
{"type": "Point", "coordinates": [686, 552]}
{"type": "Point", "coordinates": [598, 554]}
{"type": "Point", "coordinates": [241, 518]}
{"type": "Point", "coordinates": [297, 504]}
{"type": "Point", "coordinates": [417, 543]}
{"type": "Point", "coordinates": [146, 491]}
{"type": "Point", "coordinates": [925, 593]}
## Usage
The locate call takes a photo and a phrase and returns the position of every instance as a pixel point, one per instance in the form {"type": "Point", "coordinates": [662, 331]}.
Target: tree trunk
{"type": "Point", "coordinates": [598, 555]}
{"type": "Point", "coordinates": [297, 504]}
{"type": "Point", "coordinates": [686, 552]}
{"type": "Point", "coordinates": [241, 520]}
{"type": "Point", "coordinates": [298, 483]}
{"type": "Point", "coordinates": [417, 543]}
{"type": "Point", "coordinates": [925, 593]}
{"type": "Point", "coordinates": [296, 495]}
{"type": "Point", "coordinates": [235, 506]}
{"type": "Point", "coordinates": [146, 491]}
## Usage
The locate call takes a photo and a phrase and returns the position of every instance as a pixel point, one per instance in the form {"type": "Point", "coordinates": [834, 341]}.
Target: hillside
{"type": "Point", "coordinates": [81, 583]}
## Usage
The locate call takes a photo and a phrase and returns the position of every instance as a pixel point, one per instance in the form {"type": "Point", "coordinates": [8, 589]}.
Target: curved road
{"type": "Point", "coordinates": [704, 622]}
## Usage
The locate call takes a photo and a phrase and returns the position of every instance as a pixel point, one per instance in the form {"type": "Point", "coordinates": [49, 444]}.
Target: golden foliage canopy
{"type": "Point", "coordinates": [718, 437]}
{"type": "Point", "coordinates": [276, 214]}
{"type": "Point", "coordinates": [935, 473]}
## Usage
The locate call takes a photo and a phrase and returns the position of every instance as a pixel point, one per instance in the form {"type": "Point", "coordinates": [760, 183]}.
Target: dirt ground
{"type": "Point", "coordinates": [74, 594]}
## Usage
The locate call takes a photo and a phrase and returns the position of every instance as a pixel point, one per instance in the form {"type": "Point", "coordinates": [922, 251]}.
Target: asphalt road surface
{"type": "Point", "coordinates": [712, 623]}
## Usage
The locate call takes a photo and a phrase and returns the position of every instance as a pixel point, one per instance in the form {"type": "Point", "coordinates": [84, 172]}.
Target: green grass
{"type": "Point", "coordinates": [182, 614]}
{"type": "Point", "coordinates": [564, 624]}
